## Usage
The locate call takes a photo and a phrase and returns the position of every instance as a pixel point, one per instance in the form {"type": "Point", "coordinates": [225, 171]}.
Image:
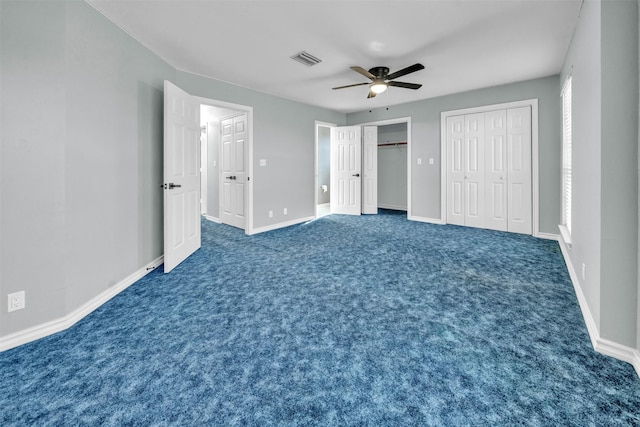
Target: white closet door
{"type": "Point", "coordinates": [496, 169]}
{"type": "Point", "coordinates": [346, 163]}
{"type": "Point", "coordinates": [370, 170]}
{"type": "Point", "coordinates": [455, 170]}
{"type": "Point", "coordinates": [519, 169]}
{"type": "Point", "coordinates": [474, 170]}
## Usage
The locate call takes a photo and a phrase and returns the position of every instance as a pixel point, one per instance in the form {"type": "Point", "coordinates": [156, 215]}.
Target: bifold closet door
{"type": "Point", "coordinates": [465, 177]}
{"type": "Point", "coordinates": [519, 170]}
{"type": "Point", "coordinates": [455, 170]}
{"type": "Point", "coordinates": [489, 170]}
{"type": "Point", "coordinates": [496, 170]}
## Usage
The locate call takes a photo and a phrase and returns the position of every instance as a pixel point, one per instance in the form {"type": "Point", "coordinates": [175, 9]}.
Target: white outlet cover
{"type": "Point", "coordinates": [15, 301]}
{"type": "Point", "coordinates": [419, 160]}
{"type": "Point", "coordinates": [263, 162]}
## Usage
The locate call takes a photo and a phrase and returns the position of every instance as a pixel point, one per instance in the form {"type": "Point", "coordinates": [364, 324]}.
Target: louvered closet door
{"type": "Point", "coordinates": [495, 155]}
{"type": "Point", "coordinates": [474, 170]}
{"type": "Point", "coordinates": [519, 169]}
{"type": "Point", "coordinates": [455, 170]}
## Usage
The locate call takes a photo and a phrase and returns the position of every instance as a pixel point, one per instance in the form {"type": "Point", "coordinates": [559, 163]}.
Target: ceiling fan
{"type": "Point", "coordinates": [381, 79]}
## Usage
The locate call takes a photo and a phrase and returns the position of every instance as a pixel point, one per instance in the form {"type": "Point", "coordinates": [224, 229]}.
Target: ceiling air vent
{"type": "Point", "coordinates": [306, 58]}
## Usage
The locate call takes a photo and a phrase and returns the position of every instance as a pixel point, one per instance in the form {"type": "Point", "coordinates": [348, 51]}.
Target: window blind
{"type": "Point", "coordinates": [566, 155]}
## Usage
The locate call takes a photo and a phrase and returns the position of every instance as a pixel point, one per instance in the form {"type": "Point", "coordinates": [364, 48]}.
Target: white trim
{"type": "Point", "coordinates": [279, 225]}
{"type": "Point", "coordinates": [533, 103]}
{"type": "Point", "coordinates": [60, 324]}
{"type": "Point", "coordinates": [398, 120]}
{"type": "Point", "coordinates": [548, 236]}
{"type": "Point", "coordinates": [248, 226]}
{"type": "Point", "coordinates": [318, 124]}
{"type": "Point", "coordinates": [566, 236]}
{"type": "Point", "coordinates": [600, 345]}
{"type": "Point", "coordinates": [425, 219]}
{"type": "Point", "coordinates": [212, 219]}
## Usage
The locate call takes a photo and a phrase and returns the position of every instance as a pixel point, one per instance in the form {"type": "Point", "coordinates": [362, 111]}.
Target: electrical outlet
{"type": "Point", "coordinates": [270, 214]}
{"type": "Point", "coordinates": [16, 301]}
{"type": "Point", "coordinates": [584, 271]}
{"type": "Point", "coordinates": [285, 211]}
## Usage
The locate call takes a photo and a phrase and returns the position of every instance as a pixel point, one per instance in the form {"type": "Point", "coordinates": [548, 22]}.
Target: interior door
{"type": "Point", "coordinates": [346, 162]}
{"type": "Point", "coordinates": [519, 169]}
{"type": "Point", "coordinates": [496, 169]}
{"type": "Point", "coordinates": [233, 171]}
{"type": "Point", "coordinates": [370, 170]}
{"type": "Point", "coordinates": [181, 175]}
{"type": "Point", "coordinates": [455, 170]}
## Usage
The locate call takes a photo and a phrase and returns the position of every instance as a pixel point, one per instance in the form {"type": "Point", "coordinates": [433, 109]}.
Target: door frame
{"type": "Point", "coordinates": [318, 124]}
{"type": "Point", "coordinates": [248, 159]}
{"type": "Point", "coordinates": [535, 191]}
{"type": "Point", "coordinates": [398, 120]}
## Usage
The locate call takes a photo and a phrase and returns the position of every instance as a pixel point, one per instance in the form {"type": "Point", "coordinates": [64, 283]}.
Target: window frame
{"type": "Point", "coordinates": [567, 160]}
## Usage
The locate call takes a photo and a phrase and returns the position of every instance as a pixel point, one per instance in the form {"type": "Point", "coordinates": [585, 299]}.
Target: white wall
{"type": "Point", "coordinates": [81, 156]}
{"type": "Point", "coordinates": [81, 143]}
{"type": "Point", "coordinates": [603, 60]}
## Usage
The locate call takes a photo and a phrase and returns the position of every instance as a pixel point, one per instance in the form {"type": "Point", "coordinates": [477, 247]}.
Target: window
{"type": "Point", "coordinates": [566, 156]}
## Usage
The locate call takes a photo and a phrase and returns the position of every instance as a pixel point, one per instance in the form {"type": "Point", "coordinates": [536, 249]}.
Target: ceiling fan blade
{"type": "Point", "coordinates": [405, 85]}
{"type": "Point", "coordinates": [363, 72]}
{"type": "Point", "coordinates": [357, 84]}
{"type": "Point", "coordinates": [411, 69]}
{"type": "Point", "coordinates": [372, 94]}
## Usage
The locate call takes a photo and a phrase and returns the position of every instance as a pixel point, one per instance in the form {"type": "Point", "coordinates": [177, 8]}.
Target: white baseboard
{"type": "Point", "coordinates": [212, 219]}
{"type": "Point", "coordinates": [599, 344]}
{"type": "Point", "coordinates": [424, 219]}
{"type": "Point", "coordinates": [636, 362]}
{"type": "Point", "coordinates": [281, 225]}
{"type": "Point", "coordinates": [548, 236]}
{"type": "Point", "coordinates": [57, 325]}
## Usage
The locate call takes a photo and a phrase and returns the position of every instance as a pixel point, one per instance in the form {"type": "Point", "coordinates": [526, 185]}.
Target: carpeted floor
{"type": "Point", "coordinates": [371, 320]}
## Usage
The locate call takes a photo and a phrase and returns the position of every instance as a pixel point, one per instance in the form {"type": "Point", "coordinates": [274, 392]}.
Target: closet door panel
{"type": "Point", "coordinates": [519, 170]}
{"type": "Point", "coordinates": [455, 170]}
{"type": "Point", "coordinates": [496, 170]}
{"type": "Point", "coordinates": [474, 170]}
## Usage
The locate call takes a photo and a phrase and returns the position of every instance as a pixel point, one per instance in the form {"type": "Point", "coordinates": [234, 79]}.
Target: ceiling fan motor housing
{"type": "Point", "coordinates": [380, 72]}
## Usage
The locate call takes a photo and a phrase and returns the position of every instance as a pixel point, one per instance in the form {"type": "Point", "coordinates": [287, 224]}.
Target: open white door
{"type": "Point", "coordinates": [370, 170]}
{"type": "Point", "coordinates": [181, 175]}
{"type": "Point", "coordinates": [346, 163]}
{"type": "Point", "coordinates": [233, 176]}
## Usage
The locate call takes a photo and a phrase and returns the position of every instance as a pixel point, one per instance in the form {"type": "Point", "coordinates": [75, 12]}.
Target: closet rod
{"type": "Point", "coordinates": [392, 143]}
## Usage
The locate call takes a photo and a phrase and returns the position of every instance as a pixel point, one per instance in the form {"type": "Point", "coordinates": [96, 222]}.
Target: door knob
{"type": "Point", "coordinates": [172, 186]}
{"type": "Point", "coordinates": [356, 174]}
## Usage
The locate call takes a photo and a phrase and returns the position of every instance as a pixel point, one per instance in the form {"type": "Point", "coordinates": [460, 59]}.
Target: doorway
{"type": "Point", "coordinates": [397, 133]}
{"type": "Point", "coordinates": [323, 168]}
{"type": "Point", "coordinates": [214, 115]}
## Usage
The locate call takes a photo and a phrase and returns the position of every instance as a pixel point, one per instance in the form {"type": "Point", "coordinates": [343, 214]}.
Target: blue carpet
{"type": "Point", "coordinates": [371, 320]}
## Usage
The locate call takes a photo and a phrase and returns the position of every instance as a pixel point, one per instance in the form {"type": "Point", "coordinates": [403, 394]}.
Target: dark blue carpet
{"type": "Point", "coordinates": [369, 320]}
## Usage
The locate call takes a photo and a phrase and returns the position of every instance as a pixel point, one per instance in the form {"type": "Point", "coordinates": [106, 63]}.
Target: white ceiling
{"type": "Point", "coordinates": [464, 44]}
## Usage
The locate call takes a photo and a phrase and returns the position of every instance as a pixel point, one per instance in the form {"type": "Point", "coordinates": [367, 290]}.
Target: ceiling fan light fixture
{"type": "Point", "coordinates": [378, 87]}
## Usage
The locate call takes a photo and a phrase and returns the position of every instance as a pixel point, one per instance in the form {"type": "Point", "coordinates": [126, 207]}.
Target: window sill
{"type": "Point", "coordinates": [565, 235]}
